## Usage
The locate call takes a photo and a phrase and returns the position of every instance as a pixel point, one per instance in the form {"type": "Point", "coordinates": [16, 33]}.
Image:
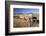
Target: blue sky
{"type": "Point", "coordinates": [25, 10]}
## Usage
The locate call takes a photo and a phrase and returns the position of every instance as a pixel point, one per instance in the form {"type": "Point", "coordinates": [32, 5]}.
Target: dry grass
{"type": "Point", "coordinates": [24, 21]}
{"type": "Point", "coordinates": [21, 22]}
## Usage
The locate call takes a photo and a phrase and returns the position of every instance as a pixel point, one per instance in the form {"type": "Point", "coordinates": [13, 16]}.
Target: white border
{"type": "Point", "coordinates": [27, 28]}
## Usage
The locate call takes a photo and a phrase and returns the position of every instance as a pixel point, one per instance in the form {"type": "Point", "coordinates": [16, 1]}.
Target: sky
{"type": "Point", "coordinates": [25, 10]}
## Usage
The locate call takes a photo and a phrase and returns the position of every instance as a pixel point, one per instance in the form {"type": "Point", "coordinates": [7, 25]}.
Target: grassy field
{"type": "Point", "coordinates": [22, 20]}
{"type": "Point", "coordinates": [25, 20]}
